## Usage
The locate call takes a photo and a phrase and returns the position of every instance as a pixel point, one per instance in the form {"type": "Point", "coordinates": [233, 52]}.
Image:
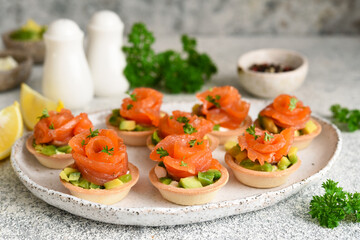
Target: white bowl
{"type": "Point", "coordinates": [270, 85]}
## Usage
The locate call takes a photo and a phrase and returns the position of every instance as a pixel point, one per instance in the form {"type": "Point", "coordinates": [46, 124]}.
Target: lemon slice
{"type": "Point", "coordinates": [33, 103]}
{"type": "Point", "coordinates": [11, 128]}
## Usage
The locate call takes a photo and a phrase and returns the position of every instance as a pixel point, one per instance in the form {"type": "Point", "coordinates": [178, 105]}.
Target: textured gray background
{"type": "Point", "coordinates": [200, 17]}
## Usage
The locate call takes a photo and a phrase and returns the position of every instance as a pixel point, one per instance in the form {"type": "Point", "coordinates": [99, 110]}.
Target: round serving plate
{"type": "Point", "coordinates": [144, 205]}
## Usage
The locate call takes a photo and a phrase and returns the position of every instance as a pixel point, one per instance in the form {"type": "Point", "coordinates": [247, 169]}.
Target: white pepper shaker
{"type": "Point", "coordinates": [66, 73]}
{"type": "Point", "coordinates": [106, 59]}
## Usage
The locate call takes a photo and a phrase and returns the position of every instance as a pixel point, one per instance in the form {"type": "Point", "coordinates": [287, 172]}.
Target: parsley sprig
{"type": "Point", "coordinates": [183, 164]}
{"type": "Point", "coordinates": [182, 119]}
{"type": "Point", "coordinates": [162, 152]}
{"type": "Point", "coordinates": [107, 150]}
{"type": "Point", "coordinates": [213, 100]}
{"type": "Point", "coordinates": [51, 126]}
{"type": "Point", "coordinates": [293, 102]}
{"type": "Point", "coordinates": [189, 129]}
{"type": "Point", "coordinates": [351, 118]}
{"type": "Point", "coordinates": [334, 205]}
{"type": "Point", "coordinates": [251, 131]}
{"type": "Point", "coordinates": [132, 96]}
{"type": "Point", "coordinates": [45, 114]}
{"type": "Point", "coordinates": [93, 133]}
{"type": "Point", "coordinates": [192, 143]}
{"type": "Point", "coordinates": [267, 137]}
{"type": "Point", "coordinates": [129, 106]}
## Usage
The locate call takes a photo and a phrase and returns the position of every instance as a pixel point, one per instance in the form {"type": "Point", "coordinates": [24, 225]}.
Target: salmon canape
{"type": "Point", "coordinates": [183, 123]}
{"type": "Point", "coordinates": [288, 111]}
{"type": "Point", "coordinates": [49, 143]}
{"type": "Point", "coordinates": [138, 116]}
{"type": "Point", "coordinates": [262, 159]}
{"type": "Point", "coordinates": [101, 172]}
{"type": "Point", "coordinates": [186, 174]}
{"type": "Point", "coordinates": [224, 107]}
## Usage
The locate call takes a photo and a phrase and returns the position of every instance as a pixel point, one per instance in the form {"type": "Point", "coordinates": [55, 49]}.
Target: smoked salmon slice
{"type": "Point", "coordinates": [143, 106]}
{"type": "Point", "coordinates": [287, 111]}
{"type": "Point", "coordinates": [223, 106]}
{"type": "Point", "coordinates": [184, 155]}
{"type": "Point", "coordinates": [100, 155]}
{"type": "Point", "coordinates": [266, 149]}
{"type": "Point", "coordinates": [184, 123]}
{"type": "Point", "coordinates": [57, 128]}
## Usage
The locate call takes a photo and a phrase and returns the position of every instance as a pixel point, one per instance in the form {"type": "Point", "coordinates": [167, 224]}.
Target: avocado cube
{"type": "Point", "coordinates": [113, 184]}
{"type": "Point", "coordinates": [216, 127]}
{"type": "Point", "coordinates": [297, 133]}
{"type": "Point", "coordinates": [155, 139]}
{"type": "Point", "coordinates": [165, 180]}
{"type": "Point", "coordinates": [64, 176]}
{"type": "Point", "coordinates": [75, 183]}
{"type": "Point", "coordinates": [206, 178]}
{"type": "Point", "coordinates": [235, 150]}
{"type": "Point", "coordinates": [229, 145]}
{"type": "Point", "coordinates": [190, 182]}
{"type": "Point", "coordinates": [48, 150]}
{"type": "Point", "coordinates": [127, 125]}
{"type": "Point", "coordinates": [266, 167]}
{"type": "Point", "coordinates": [116, 112]}
{"type": "Point", "coordinates": [74, 176]}
{"type": "Point", "coordinates": [69, 170]}
{"type": "Point", "coordinates": [94, 186]}
{"type": "Point", "coordinates": [268, 124]}
{"type": "Point", "coordinates": [125, 178]}
{"type": "Point", "coordinates": [141, 128]}
{"type": "Point", "coordinates": [64, 149]}
{"type": "Point", "coordinates": [292, 155]}
{"type": "Point", "coordinates": [38, 147]}
{"type": "Point", "coordinates": [240, 156]}
{"type": "Point", "coordinates": [310, 127]}
{"type": "Point", "coordinates": [84, 184]}
{"type": "Point", "coordinates": [217, 173]}
{"type": "Point", "coordinates": [196, 109]}
{"type": "Point", "coordinates": [284, 163]}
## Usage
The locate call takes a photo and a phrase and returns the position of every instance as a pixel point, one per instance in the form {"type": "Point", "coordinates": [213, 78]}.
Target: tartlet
{"type": "Point", "coordinates": [224, 107]}
{"type": "Point", "coordinates": [105, 196]}
{"type": "Point", "coordinates": [138, 116]}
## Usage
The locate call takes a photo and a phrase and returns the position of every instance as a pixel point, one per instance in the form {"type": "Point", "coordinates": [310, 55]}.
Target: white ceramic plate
{"type": "Point", "coordinates": [144, 205]}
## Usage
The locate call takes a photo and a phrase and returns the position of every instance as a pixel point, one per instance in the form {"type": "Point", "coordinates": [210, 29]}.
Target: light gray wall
{"type": "Point", "coordinates": [200, 17]}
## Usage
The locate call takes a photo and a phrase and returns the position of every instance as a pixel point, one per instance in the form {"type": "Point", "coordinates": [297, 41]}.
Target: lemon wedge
{"type": "Point", "coordinates": [11, 128]}
{"type": "Point", "coordinates": [33, 103]}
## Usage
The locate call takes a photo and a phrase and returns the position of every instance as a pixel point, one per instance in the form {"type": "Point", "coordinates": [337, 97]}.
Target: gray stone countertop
{"type": "Point", "coordinates": [334, 77]}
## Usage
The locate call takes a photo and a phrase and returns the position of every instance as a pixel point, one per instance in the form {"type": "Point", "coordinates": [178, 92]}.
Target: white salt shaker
{"type": "Point", "coordinates": [106, 59]}
{"type": "Point", "coordinates": [66, 74]}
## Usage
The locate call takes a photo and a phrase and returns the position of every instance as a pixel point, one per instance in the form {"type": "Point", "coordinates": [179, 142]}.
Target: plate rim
{"type": "Point", "coordinates": [293, 188]}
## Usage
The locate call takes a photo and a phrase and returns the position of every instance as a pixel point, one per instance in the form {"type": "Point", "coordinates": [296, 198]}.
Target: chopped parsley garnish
{"type": "Point", "coordinates": [162, 152]}
{"type": "Point", "coordinates": [51, 126]}
{"type": "Point", "coordinates": [188, 129]}
{"type": "Point", "coordinates": [251, 131]}
{"type": "Point", "coordinates": [182, 119]}
{"type": "Point", "coordinates": [199, 143]}
{"type": "Point", "coordinates": [129, 106]}
{"type": "Point", "coordinates": [293, 102]}
{"type": "Point", "coordinates": [107, 150]}
{"type": "Point", "coordinates": [213, 100]}
{"type": "Point", "coordinates": [268, 137]}
{"type": "Point", "coordinates": [132, 96]}
{"type": "Point", "coordinates": [83, 143]}
{"type": "Point", "coordinates": [192, 142]}
{"type": "Point", "coordinates": [216, 127]}
{"type": "Point", "coordinates": [45, 114]}
{"type": "Point", "coordinates": [171, 117]}
{"type": "Point", "coordinates": [93, 133]}
{"type": "Point", "coordinates": [183, 164]}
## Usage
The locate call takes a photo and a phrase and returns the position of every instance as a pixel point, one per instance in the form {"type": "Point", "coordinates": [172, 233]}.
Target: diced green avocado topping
{"type": "Point", "coordinates": [155, 139]}
{"type": "Point", "coordinates": [284, 163]}
{"type": "Point", "coordinates": [74, 176]}
{"type": "Point", "coordinates": [165, 180]}
{"type": "Point", "coordinates": [75, 183]}
{"type": "Point", "coordinates": [190, 182]}
{"type": "Point", "coordinates": [206, 178]}
{"type": "Point", "coordinates": [94, 186]}
{"type": "Point", "coordinates": [127, 125]}
{"type": "Point", "coordinates": [64, 176]}
{"type": "Point", "coordinates": [141, 128]}
{"type": "Point", "coordinates": [247, 163]}
{"type": "Point", "coordinates": [235, 150]}
{"type": "Point", "coordinates": [125, 178]}
{"type": "Point", "coordinates": [48, 150]}
{"type": "Point", "coordinates": [310, 127]}
{"type": "Point", "coordinates": [240, 156]}
{"type": "Point", "coordinates": [64, 149]}
{"type": "Point", "coordinates": [113, 183]}
{"type": "Point", "coordinates": [292, 155]}
{"type": "Point", "coordinates": [266, 167]}
{"type": "Point", "coordinates": [70, 170]}
{"type": "Point", "coordinates": [216, 127]}
{"type": "Point", "coordinates": [196, 109]}
{"type": "Point", "coordinates": [84, 184]}
{"type": "Point", "coordinates": [268, 124]}
{"type": "Point", "coordinates": [229, 145]}
{"type": "Point", "coordinates": [116, 112]}
{"type": "Point", "coordinates": [217, 173]}
{"type": "Point", "coordinates": [38, 147]}
{"type": "Point", "coordinates": [297, 133]}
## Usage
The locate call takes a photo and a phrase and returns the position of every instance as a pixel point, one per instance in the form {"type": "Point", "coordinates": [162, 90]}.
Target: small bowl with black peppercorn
{"type": "Point", "coordinates": [270, 72]}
